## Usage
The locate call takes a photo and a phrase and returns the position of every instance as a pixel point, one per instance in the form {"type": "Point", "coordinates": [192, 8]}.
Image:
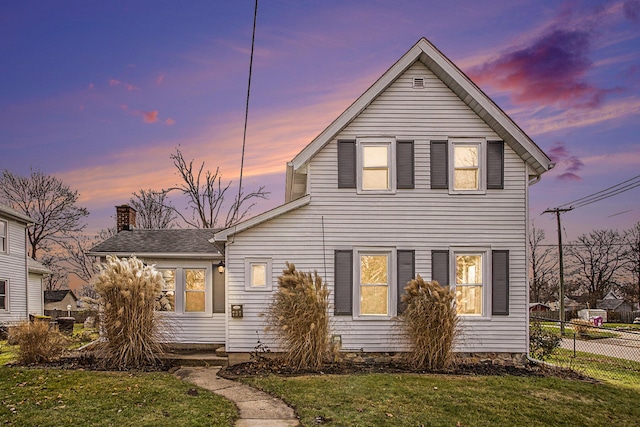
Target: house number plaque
{"type": "Point", "coordinates": [236, 311]}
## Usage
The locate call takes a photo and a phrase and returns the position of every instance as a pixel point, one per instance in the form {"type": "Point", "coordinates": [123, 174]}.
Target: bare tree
{"type": "Point", "coordinates": [597, 259]}
{"type": "Point", "coordinates": [59, 279]}
{"type": "Point", "coordinates": [632, 266]}
{"type": "Point", "coordinates": [205, 195]}
{"type": "Point", "coordinates": [154, 210]}
{"type": "Point", "coordinates": [543, 284]}
{"type": "Point", "coordinates": [47, 200]}
{"type": "Point", "coordinates": [76, 250]}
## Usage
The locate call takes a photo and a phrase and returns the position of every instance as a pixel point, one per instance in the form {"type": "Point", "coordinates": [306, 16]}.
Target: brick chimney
{"type": "Point", "coordinates": [125, 218]}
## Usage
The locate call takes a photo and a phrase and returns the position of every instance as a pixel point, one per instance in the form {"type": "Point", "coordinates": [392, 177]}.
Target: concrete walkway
{"type": "Point", "coordinates": [257, 409]}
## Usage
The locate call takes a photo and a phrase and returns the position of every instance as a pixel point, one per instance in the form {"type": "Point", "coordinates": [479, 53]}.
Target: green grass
{"type": "Point", "coordinates": [611, 369]}
{"type": "Point", "coordinates": [52, 397]}
{"type": "Point", "coordinates": [437, 400]}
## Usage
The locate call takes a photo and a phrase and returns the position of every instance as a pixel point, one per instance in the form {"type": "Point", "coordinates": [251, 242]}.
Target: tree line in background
{"type": "Point", "coordinates": [59, 241]}
{"type": "Point", "coordinates": [595, 264]}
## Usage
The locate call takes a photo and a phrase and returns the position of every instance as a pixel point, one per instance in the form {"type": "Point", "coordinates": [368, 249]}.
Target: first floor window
{"type": "Point", "coordinates": [195, 290]}
{"type": "Point", "coordinates": [469, 284]}
{"type": "Point", "coordinates": [374, 284]}
{"type": "Point", "coordinates": [3, 294]}
{"type": "Point", "coordinates": [258, 274]}
{"type": "Point", "coordinates": [3, 236]}
{"type": "Point", "coordinates": [167, 299]}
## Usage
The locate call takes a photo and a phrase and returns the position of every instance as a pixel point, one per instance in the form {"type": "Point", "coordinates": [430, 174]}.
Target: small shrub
{"type": "Point", "coordinates": [581, 326]}
{"type": "Point", "coordinates": [299, 317]}
{"type": "Point", "coordinates": [37, 343]}
{"type": "Point", "coordinates": [128, 291]}
{"type": "Point", "coordinates": [430, 322]}
{"type": "Point", "coordinates": [542, 343]}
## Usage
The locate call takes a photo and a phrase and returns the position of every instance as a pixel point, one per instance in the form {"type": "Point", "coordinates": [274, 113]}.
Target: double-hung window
{"type": "Point", "coordinates": [4, 290]}
{"type": "Point", "coordinates": [186, 290]}
{"type": "Point", "coordinates": [195, 290]}
{"type": "Point", "coordinates": [376, 170]}
{"type": "Point", "coordinates": [4, 230]}
{"type": "Point", "coordinates": [167, 299]}
{"type": "Point", "coordinates": [470, 283]}
{"type": "Point", "coordinates": [466, 158]}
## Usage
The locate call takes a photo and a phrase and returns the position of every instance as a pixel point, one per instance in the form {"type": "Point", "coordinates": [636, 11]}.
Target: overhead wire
{"type": "Point", "coordinates": [614, 190]}
{"type": "Point", "coordinates": [246, 113]}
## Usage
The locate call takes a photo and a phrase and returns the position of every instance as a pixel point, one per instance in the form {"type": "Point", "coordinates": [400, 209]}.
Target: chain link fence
{"type": "Point", "coordinates": [603, 352]}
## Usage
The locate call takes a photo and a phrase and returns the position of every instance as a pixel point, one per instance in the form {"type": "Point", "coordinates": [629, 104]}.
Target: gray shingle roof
{"type": "Point", "coordinates": [55, 296]}
{"type": "Point", "coordinates": [170, 241]}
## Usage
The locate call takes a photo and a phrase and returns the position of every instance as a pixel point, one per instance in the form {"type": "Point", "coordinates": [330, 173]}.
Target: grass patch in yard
{"type": "Point", "coordinates": [611, 369]}
{"type": "Point", "coordinates": [54, 397]}
{"type": "Point", "coordinates": [438, 400]}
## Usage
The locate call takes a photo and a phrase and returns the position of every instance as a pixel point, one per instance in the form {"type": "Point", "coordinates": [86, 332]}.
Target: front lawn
{"type": "Point", "coordinates": [54, 397]}
{"type": "Point", "coordinates": [434, 400]}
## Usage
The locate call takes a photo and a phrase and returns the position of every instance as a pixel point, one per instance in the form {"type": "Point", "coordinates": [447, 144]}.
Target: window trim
{"type": "Point", "coordinates": [485, 253]}
{"type": "Point", "coordinates": [481, 143]}
{"type": "Point", "coordinates": [248, 263]}
{"type": "Point", "coordinates": [6, 295]}
{"type": "Point", "coordinates": [392, 273]}
{"type": "Point", "coordinates": [180, 291]}
{"type": "Point", "coordinates": [390, 142]}
{"type": "Point", "coordinates": [5, 249]}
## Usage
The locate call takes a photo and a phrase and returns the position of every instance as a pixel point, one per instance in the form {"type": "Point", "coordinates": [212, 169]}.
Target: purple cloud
{"type": "Point", "coordinates": [564, 160]}
{"type": "Point", "coordinates": [631, 10]}
{"type": "Point", "coordinates": [550, 71]}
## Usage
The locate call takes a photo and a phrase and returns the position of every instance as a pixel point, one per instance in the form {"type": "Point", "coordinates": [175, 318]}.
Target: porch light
{"type": "Point", "coordinates": [221, 267]}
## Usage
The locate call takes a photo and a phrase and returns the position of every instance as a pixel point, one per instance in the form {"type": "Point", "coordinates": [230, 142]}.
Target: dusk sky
{"type": "Point", "coordinates": [100, 93]}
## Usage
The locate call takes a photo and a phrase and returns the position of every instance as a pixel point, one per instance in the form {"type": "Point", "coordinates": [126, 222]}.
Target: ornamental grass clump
{"type": "Point", "coordinates": [37, 342]}
{"type": "Point", "coordinates": [430, 323]}
{"type": "Point", "coordinates": [298, 315]}
{"type": "Point", "coordinates": [128, 291]}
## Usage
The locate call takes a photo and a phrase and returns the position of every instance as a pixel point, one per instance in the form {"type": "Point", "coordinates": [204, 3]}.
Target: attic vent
{"type": "Point", "coordinates": [418, 82]}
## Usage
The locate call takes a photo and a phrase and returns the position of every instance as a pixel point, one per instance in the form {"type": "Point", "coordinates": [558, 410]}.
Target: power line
{"type": "Point", "coordinates": [614, 190]}
{"type": "Point", "coordinates": [246, 113]}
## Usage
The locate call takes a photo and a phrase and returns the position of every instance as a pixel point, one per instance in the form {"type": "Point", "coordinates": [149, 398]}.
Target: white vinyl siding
{"type": "Point", "coordinates": [419, 219]}
{"type": "Point", "coordinates": [13, 269]}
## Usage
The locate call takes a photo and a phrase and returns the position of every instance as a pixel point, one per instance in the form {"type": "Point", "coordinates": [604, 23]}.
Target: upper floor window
{"type": "Point", "coordinates": [3, 294]}
{"type": "Point", "coordinates": [375, 166]}
{"type": "Point", "coordinates": [4, 230]}
{"type": "Point", "coordinates": [466, 169]}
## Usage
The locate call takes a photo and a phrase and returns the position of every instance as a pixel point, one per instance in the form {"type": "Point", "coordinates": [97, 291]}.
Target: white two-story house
{"type": "Point", "coordinates": [422, 174]}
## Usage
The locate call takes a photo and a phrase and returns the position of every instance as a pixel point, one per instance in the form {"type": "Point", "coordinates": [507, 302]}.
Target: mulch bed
{"type": "Point", "coordinates": [267, 367]}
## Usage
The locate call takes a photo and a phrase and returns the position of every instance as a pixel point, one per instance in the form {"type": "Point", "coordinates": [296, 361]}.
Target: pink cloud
{"type": "Point", "coordinates": [150, 116]}
{"type": "Point", "coordinates": [169, 122]}
{"type": "Point", "coordinates": [550, 70]}
{"type": "Point", "coordinates": [160, 79]}
{"type": "Point", "coordinates": [115, 82]}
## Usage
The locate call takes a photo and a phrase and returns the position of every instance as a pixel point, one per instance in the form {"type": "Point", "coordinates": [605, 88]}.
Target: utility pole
{"type": "Point", "coordinates": [558, 211]}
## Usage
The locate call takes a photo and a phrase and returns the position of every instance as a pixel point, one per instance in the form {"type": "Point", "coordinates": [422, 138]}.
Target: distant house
{"type": "Point", "coordinates": [60, 300]}
{"type": "Point", "coordinates": [538, 307]}
{"type": "Point", "coordinates": [20, 276]}
{"type": "Point", "coordinates": [611, 302]}
{"type": "Point", "coordinates": [422, 174]}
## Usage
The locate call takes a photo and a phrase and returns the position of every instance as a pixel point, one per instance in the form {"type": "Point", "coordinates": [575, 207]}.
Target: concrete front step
{"type": "Point", "coordinates": [194, 358]}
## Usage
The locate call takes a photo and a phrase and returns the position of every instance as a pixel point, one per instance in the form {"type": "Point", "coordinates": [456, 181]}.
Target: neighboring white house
{"type": "Point", "coordinates": [20, 276]}
{"type": "Point", "coordinates": [422, 174]}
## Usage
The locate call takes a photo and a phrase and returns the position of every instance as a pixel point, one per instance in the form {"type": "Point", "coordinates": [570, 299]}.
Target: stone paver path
{"type": "Point", "coordinates": [256, 407]}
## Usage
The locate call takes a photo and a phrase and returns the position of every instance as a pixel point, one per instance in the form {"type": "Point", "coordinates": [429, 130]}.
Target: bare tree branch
{"type": "Point", "coordinates": [543, 284]}
{"type": "Point", "coordinates": [154, 210]}
{"type": "Point", "coordinates": [632, 265]}
{"type": "Point", "coordinates": [47, 200]}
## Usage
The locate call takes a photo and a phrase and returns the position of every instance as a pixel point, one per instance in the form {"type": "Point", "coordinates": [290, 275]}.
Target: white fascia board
{"type": "Point", "coordinates": [194, 255]}
{"type": "Point", "coordinates": [486, 103]}
{"type": "Point", "coordinates": [356, 108]}
{"type": "Point", "coordinates": [222, 235]}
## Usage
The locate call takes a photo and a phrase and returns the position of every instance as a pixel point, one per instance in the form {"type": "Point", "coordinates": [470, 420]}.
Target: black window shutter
{"type": "Point", "coordinates": [500, 282]}
{"type": "Point", "coordinates": [440, 267]}
{"type": "Point", "coordinates": [346, 164]}
{"type": "Point", "coordinates": [405, 164]}
{"type": "Point", "coordinates": [495, 165]}
{"type": "Point", "coordinates": [406, 273]}
{"type": "Point", "coordinates": [343, 286]}
{"type": "Point", "coordinates": [439, 165]}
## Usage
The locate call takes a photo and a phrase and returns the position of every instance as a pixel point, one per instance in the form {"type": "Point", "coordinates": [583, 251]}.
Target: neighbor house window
{"type": "Point", "coordinates": [195, 290]}
{"type": "Point", "coordinates": [466, 167]}
{"type": "Point", "coordinates": [3, 236]}
{"type": "Point", "coordinates": [374, 288]}
{"type": "Point", "coordinates": [258, 274]}
{"type": "Point", "coordinates": [167, 299]}
{"type": "Point", "coordinates": [470, 284]}
{"type": "Point", "coordinates": [4, 288]}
